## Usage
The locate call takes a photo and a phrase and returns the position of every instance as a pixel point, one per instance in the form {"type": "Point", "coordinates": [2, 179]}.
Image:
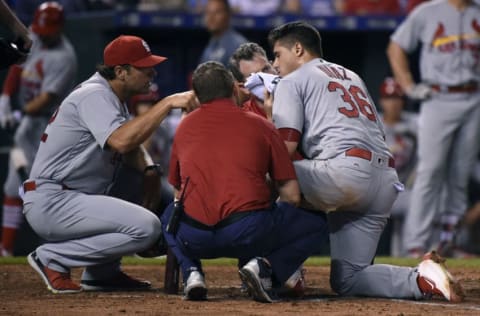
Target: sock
{"type": "Point", "coordinates": [12, 219]}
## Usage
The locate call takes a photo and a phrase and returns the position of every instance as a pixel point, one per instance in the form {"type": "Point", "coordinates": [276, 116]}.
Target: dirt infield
{"type": "Point", "coordinates": [23, 293]}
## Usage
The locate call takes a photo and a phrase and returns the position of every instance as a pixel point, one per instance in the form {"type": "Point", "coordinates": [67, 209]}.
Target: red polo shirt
{"type": "Point", "coordinates": [226, 152]}
{"type": "Point", "coordinates": [252, 106]}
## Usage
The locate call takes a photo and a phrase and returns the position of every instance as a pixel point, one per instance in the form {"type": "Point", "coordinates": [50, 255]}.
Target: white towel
{"type": "Point", "coordinates": [257, 82]}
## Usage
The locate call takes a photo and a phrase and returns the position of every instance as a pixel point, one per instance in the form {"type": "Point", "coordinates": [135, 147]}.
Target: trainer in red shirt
{"type": "Point", "coordinates": [226, 154]}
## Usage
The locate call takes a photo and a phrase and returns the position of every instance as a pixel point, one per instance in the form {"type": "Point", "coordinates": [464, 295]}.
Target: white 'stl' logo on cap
{"type": "Point", "coordinates": [147, 48]}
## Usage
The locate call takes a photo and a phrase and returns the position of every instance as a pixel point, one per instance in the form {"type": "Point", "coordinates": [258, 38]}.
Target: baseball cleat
{"type": "Point", "coordinates": [257, 275]}
{"type": "Point", "coordinates": [57, 282]}
{"type": "Point", "coordinates": [195, 288]}
{"type": "Point", "coordinates": [433, 278]}
{"type": "Point", "coordinates": [295, 285]}
{"type": "Point", "coordinates": [119, 282]}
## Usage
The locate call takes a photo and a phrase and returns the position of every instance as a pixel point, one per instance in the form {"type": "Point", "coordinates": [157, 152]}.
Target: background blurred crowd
{"type": "Point", "coordinates": [25, 8]}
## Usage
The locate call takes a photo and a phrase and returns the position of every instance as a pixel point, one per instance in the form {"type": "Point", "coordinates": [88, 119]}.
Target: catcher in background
{"type": "Point", "coordinates": [15, 51]}
{"type": "Point", "coordinates": [39, 84]}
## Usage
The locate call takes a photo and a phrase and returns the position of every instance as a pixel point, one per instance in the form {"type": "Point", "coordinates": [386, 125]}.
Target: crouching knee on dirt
{"type": "Point", "coordinates": [220, 158]}
{"type": "Point", "coordinates": [87, 140]}
{"type": "Point", "coordinates": [347, 168]}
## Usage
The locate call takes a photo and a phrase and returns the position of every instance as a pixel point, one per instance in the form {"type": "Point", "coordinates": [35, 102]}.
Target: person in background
{"type": "Point", "coordinates": [255, 7]}
{"type": "Point", "coordinates": [368, 7]}
{"type": "Point", "coordinates": [196, 6]}
{"type": "Point", "coordinates": [160, 5]}
{"type": "Point", "coordinates": [401, 138]}
{"type": "Point", "coordinates": [159, 144]}
{"type": "Point", "coordinates": [449, 121]}
{"type": "Point", "coordinates": [469, 228]}
{"type": "Point", "coordinates": [310, 7]}
{"type": "Point", "coordinates": [40, 84]}
{"type": "Point", "coordinates": [25, 9]}
{"type": "Point", "coordinates": [224, 40]}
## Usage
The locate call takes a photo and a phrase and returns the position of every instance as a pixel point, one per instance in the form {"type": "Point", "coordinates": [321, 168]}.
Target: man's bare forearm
{"type": "Point", "coordinates": [136, 131]}
{"type": "Point", "coordinates": [400, 66]}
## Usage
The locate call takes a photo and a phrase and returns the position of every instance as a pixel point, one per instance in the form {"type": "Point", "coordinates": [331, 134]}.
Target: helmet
{"type": "Point", "coordinates": [390, 88]}
{"type": "Point", "coordinates": [48, 18]}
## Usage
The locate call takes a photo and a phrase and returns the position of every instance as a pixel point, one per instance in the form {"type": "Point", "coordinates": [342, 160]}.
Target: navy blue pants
{"type": "Point", "coordinates": [284, 234]}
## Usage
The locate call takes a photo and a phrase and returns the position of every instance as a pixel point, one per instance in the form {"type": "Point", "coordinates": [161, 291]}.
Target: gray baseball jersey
{"type": "Point", "coordinates": [73, 148]}
{"type": "Point", "coordinates": [45, 70]}
{"type": "Point", "coordinates": [330, 106]}
{"type": "Point", "coordinates": [82, 226]}
{"type": "Point", "coordinates": [449, 122]}
{"type": "Point", "coordinates": [48, 70]}
{"type": "Point", "coordinates": [450, 41]}
{"type": "Point", "coordinates": [329, 125]}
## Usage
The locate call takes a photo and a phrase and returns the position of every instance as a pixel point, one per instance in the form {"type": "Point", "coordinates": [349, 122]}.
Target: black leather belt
{"type": "Point", "coordinates": [232, 218]}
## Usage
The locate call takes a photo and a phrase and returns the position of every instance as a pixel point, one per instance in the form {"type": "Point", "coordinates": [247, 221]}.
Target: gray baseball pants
{"type": "Point", "coordinates": [92, 231]}
{"type": "Point", "coordinates": [364, 191]}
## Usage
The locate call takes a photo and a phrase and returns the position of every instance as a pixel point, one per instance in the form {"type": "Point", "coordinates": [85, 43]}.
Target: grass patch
{"type": "Point", "coordinates": [13, 260]}
{"type": "Point", "coordinates": [313, 261]}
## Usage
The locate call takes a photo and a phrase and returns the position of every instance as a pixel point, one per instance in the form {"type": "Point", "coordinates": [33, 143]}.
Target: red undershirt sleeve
{"type": "Point", "coordinates": [12, 80]}
{"type": "Point", "coordinates": [290, 134]}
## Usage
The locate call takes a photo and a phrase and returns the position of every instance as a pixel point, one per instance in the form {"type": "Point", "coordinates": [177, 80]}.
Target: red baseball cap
{"type": "Point", "coordinates": [130, 50]}
{"type": "Point", "coordinates": [48, 19]}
